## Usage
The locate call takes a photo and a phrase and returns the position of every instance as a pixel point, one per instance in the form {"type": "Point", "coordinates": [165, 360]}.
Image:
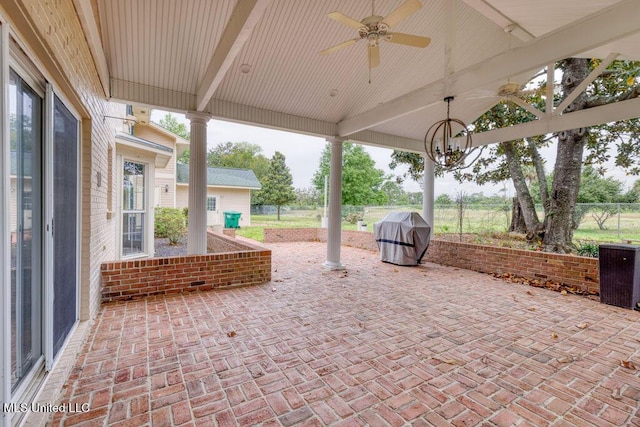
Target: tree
{"type": "Point", "coordinates": [277, 188]}
{"type": "Point", "coordinates": [443, 199]}
{"type": "Point", "coordinates": [394, 193]}
{"type": "Point", "coordinates": [307, 197]}
{"type": "Point", "coordinates": [361, 181]}
{"type": "Point", "coordinates": [505, 160]}
{"type": "Point", "coordinates": [606, 192]}
{"type": "Point", "coordinates": [171, 124]}
{"type": "Point", "coordinates": [242, 155]}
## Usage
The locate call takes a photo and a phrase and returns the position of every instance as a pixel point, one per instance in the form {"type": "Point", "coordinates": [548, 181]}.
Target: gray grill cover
{"type": "Point", "coordinates": [403, 237]}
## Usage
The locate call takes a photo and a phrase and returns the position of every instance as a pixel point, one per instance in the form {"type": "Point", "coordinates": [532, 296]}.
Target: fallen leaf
{"type": "Point", "coordinates": [395, 270]}
{"type": "Point", "coordinates": [564, 359]}
{"type": "Point", "coordinates": [554, 335]}
{"type": "Point", "coordinates": [231, 334]}
{"type": "Point", "coordinates": [582, 325]}
{"type": "Point", "coordinates": [531, 309]}
{"type": "Point", "coordinates": [514, 298]}
{"type": "Point", "coordinates": [530, 293]}
{"type": "Point", "coordinates": [628, 364]}
{"type": "Point", "coordinates": [273, 289]}
{"type": "Point", "coordinates": [447, 361]}
{"type": "Point", "coordinates": [278, 280]}
{"type": "Point", "coordinates": [563, 292]}
{"type": "Point", "coordinates": [616, 394]}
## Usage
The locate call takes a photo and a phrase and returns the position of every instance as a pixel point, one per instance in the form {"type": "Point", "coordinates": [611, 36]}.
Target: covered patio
{"type": "Point", "coordinates": [373, 345]}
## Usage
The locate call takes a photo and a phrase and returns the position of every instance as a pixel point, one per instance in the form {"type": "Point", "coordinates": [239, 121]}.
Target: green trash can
{"type": "Point", "coordinates": [231, 219]}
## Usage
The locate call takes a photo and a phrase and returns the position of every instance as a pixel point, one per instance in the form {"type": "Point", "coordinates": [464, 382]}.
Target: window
{"type": "Point", "coordinates": [133, 209]}
{"type": "Point", "coordinates": [211, 203]}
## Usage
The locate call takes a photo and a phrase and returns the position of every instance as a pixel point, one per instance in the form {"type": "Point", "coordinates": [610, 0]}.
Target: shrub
{"type": "Point", "coordinates": [170, 223]}
{"type": "Point", "coordinates": [590, 249]}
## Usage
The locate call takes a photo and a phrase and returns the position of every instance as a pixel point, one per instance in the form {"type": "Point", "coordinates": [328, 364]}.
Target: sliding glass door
{"type": "Point", "coordinates": [65, 222]}
{"type": "Point", "coordinates": [25, 120]}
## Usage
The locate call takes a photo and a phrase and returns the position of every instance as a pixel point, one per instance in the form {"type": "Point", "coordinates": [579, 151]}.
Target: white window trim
{"type": "Point", "coordinates": [149, 209]}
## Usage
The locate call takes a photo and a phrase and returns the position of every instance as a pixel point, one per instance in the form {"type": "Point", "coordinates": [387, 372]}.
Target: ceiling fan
{"type": "Point", "coordinates": [376, 28]}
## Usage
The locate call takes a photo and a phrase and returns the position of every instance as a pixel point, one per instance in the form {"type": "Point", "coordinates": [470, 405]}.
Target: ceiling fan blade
{"type": "Point", "coordinates": [409, 39]}
{"type": "Point", "coordinates": [374, 56]}
{"type": "Point", "coordinates": [402, 12]}
{"type": "Point", "coordinates": [344, 19]}
{"type": "Point", "coordinates": [338, 46]}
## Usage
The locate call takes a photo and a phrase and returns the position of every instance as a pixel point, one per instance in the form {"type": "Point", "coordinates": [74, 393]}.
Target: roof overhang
{"type": "Point", "coordinates": [191, 61]}
{"type": "Point", "coordinates": [161, 154]}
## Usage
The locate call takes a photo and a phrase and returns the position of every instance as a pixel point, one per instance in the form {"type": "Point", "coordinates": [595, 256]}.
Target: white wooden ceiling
{"type": "Point", "coordinates": [185, 55]}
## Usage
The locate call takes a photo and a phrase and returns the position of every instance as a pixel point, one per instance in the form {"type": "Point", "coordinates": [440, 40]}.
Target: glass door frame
{"type": "Point", "coordinates": [38, 236]}
{"type": "Point", "coordinates": [49, 204]}
{"type": "Point", "coordinates": [47, 92]}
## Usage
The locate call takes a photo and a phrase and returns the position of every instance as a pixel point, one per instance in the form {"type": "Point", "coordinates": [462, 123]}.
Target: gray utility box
{"type": "Point", "coordinates": [620, 275]}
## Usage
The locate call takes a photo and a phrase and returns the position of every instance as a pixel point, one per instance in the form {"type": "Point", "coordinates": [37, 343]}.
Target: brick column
{"type": "Point", "coordinates": [335, 207]}
{"type": "Point", "coordinates": [428, 193]}
{"type": "Point", "coordinates": [197, 240]}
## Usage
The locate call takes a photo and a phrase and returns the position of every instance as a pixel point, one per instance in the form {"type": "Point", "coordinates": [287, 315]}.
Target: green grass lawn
{"type": "Point", "coordinates": [475, 220]}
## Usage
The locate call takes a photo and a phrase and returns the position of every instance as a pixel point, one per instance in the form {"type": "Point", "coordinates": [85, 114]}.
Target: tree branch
{"type": "Point", "coordinates": [598, 101]}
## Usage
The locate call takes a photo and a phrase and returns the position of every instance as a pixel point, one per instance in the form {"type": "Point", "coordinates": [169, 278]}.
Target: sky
{"type": "Point", "coordinates": [302, 153]}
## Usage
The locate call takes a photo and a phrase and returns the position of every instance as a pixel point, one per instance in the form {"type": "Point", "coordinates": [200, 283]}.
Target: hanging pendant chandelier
{"type": "Point", "coordinates": [448, 142]}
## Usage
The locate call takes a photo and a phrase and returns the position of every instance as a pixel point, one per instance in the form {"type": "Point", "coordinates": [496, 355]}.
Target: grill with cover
{"type": "Point", "coordinates": [403, 238]}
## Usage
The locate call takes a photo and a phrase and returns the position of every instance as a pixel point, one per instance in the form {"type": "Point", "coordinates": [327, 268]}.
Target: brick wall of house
{"type": "Point", "coordinates": [246, 265]}
{"type": "Point", "coordinates": [581, 272]}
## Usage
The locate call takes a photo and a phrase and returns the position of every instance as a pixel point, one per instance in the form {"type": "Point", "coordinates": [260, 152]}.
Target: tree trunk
{"type": "Point", "coordinates": [517, 219]}
{"type": "Point", "coordinates": [538, 163]}
{"type": "Point", "coordinates": [278, 208]}
{"type": "Point", "coordinates": [525, 200]}
{"type": "Point", "coordinates": [566, 180]}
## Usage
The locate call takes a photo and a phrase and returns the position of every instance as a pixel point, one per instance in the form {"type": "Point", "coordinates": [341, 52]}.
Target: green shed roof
{"type": "Point", "coordinates": [222, 177]}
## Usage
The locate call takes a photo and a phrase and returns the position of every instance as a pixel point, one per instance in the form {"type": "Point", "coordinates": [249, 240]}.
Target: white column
{"type": "Point", "coordinates": [197, 240]}
{"type": "Point", "coordinates": [427, 192]}
{"type": "Point", "coordinates": [335, 206]}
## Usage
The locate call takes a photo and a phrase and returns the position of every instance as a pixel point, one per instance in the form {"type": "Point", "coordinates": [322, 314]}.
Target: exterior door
{"type": "Point", "coordinates": [25, 121]}
{"type": "Point", "coordinates": [65, 223]}
{"type": "Point", "coordinates": [213, 216]}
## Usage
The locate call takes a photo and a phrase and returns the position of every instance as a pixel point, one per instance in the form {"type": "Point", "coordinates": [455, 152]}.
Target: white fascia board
{"type": "Point", "coordinates": [88, 22]}
{"type": "Point", "coordinates": [622, 110]}
{"type": "Point", "coordinates": [244, 18]}
{"type": "Point", "coordinates": [384, 140]}
{"type": "Point", "coordinates": [613, 23]}
{"type": "Point", "coordinates": [501, 20]}
{"type": "Point", "coordinates": [151, 96]}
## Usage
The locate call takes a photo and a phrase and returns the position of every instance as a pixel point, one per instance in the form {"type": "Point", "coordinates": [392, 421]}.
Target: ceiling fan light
{"type": "Point", "coordinates": [245, 68]}
{"type": "Point", "coordinates": [333, 92]}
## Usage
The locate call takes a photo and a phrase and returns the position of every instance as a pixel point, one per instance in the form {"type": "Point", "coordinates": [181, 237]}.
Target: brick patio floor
{"type": "Point", "coordinates": [376, 345]}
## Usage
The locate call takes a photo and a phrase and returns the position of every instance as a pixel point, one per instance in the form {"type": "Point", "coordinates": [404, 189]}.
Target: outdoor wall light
{"type": "Point", "coordinates": [166, 188]}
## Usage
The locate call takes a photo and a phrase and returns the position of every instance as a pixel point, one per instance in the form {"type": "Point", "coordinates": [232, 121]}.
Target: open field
{"type": "Point", "coordinates": [623, 225]}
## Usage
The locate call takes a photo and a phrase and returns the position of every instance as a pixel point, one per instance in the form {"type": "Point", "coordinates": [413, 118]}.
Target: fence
{"type": "Point", "coordinates": [597, 221]}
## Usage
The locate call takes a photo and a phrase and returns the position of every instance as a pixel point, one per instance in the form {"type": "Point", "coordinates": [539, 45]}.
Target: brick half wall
{"type": "Point", "coordinates": [234, 263]}
{"type": "Point", "coordinates": [571, 270]}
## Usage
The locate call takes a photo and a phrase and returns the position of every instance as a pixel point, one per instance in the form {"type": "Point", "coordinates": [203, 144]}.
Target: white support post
{"type": "Point", "coordinates": [197, 240]}
{"type": "Point", "coordinates": [428, 192]}
{"type": "Point", "coordinates": [335, 207]}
